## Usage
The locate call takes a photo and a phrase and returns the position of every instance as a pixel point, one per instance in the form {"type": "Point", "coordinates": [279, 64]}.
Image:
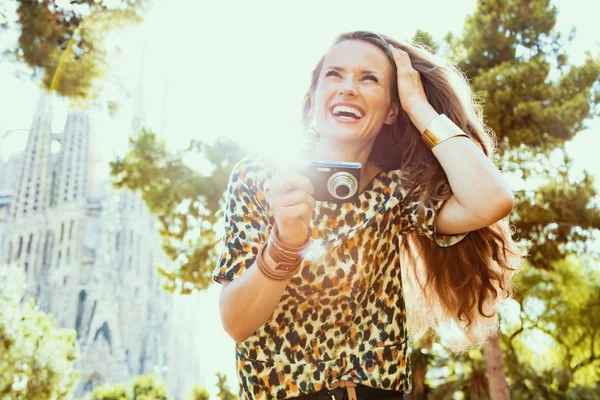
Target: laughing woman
{"type": "Point", "coordinates": [428, 236]}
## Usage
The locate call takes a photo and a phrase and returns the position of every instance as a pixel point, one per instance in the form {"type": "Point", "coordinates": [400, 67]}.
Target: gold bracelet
{"type": "Point", "coordinates": [440, 129]}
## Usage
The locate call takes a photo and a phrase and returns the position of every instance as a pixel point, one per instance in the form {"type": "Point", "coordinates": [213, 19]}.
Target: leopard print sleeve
{"type": "Point", "coordinates": [245, 218]}
{"type": "Point", "coordinates": [414, 221]}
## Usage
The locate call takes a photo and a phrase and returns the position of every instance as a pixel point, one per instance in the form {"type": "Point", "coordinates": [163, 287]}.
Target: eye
{"type": "Point", "coordinates": [332, 73]}
{"type": "Point", "coordinates": [372, 77]}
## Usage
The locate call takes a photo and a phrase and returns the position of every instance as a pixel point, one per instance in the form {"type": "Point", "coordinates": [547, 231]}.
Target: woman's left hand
{"type": "Point", "coordinates": [411, 91]}
{"type": "Point", "coordinates": [410, 88]}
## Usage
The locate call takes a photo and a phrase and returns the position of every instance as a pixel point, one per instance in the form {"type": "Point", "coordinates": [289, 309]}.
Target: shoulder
{"type": "Point", "coordinates": [250, 178]}
{"type": "Point", "coordinates": [251, 169]}
{"type": "Point", "coordinates": [399, 181]}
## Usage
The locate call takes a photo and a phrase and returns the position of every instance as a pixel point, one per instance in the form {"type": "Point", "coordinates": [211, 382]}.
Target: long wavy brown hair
{"type": "Point", "coordinates": [460, 284]}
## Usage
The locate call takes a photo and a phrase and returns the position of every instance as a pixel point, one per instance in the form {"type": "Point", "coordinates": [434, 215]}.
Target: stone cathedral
{"type": "Point", "coordinates": [90, 255]}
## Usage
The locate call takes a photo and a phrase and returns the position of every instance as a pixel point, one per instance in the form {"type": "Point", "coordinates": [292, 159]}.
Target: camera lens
{"type": "Point", "coordinates": [342, 191]}
{"type": "Point", "coordinates": [342, 185]}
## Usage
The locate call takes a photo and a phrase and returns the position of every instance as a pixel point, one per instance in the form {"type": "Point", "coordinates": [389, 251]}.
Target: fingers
{"type": "Point", "coordinates": [280, 185]}
{"type": "Point", "coordinates": [291, 199]}
{"type": "Point", "coordinates": [286, 182]}
{"type": "Point", "coordinates": [290, 208]}
{"type": "Point", "coordinates": [291, 215]}
{"type": "Point", "coordinates": [401, 58]}
{"type": "Point", "coordinates": [291, 203]}
{"type": "Point", "coordinates": [303, 183]}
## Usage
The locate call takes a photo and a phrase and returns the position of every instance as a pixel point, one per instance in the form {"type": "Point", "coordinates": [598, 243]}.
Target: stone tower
{"type": "Point", "coordinates": [90, 258]}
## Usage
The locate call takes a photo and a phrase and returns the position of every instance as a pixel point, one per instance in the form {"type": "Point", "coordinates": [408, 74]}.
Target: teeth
{"type": "Point", "coordinates": [356, 112]}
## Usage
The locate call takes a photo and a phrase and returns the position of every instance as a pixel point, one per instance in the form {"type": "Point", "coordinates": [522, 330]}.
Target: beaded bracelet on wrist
{"type": "Point", "coordinates": [287, 258]}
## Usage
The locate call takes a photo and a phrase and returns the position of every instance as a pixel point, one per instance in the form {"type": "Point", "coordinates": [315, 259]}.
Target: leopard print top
{"type": "Point", "coordinates": [342, 316]}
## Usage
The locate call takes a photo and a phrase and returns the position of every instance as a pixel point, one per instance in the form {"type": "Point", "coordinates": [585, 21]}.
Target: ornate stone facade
{"type": "Point", "coordinates": [90, 258]}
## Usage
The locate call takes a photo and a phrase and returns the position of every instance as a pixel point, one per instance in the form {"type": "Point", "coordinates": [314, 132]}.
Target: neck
{"type": "Point", "coordinates": [343, 151]}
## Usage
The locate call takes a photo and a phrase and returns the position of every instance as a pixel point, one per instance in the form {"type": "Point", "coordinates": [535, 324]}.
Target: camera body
{"type": "Point", "coordinates": [334, 181]}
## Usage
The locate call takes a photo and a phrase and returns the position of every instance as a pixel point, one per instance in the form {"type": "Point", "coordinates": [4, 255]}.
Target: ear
{"type": "Point", "coordinates": [393, 114]}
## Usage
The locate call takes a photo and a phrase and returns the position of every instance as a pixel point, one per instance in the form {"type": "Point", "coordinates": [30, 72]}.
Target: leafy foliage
{"type": "Point", "coordinates": [559, 310]}
{"type": "Point", "coordinates": [144, 387]}
{"type": "Point", "coordinates": [109, 392]}
{"type": "Point", "coordinates": [426, 39]}
{"type": "Point", "coordinates": [36, 358]}
{"type": "Point", "coordinates": [535, 102]}
{"type": "Point", "coordinates": [199, 393]}
{"type": "Point", "coordinates": [148, 387]}
{"type": "Point", "coordinates": [550, 340]}
{"type": "Point", "coordinates": [515, 59]}
{"type": "Point", "coordinates": [63, 42]}
{"type": "Point", "coordinates": [224, 391]}
{"type": "Point", "coordinates": [188, 204]}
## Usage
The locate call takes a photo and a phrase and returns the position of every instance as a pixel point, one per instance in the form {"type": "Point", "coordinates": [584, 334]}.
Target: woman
{"type": "Point", "coordinates": [312, 291]}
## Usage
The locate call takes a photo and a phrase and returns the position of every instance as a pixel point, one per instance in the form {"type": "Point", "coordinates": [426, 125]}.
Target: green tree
{"type": "Point", "coordinates": [560, 308]}
{"type": "Point", "coordinates": [426, 39]}
{"type": "Point", "coordinates": [63, 42]}
{"type": "Point", "coordinates": [535, 101]}
{"type": "Point", "coordinates": [187, 203]}
{"type": "Point", "coordinates": [147, 387]}
{"type": "Point", "coordinates": [144, 387]}
{"type": "Point", "coordinates": [224, 391]}
{"type": "Point", "coordinates": [36, 358]}
{"type": "Point", "coordinates": [550, 340]}
{"type": "Point", "coordinates": [199, 393]}
{"type": "Point", "coordinates": [109, 392]}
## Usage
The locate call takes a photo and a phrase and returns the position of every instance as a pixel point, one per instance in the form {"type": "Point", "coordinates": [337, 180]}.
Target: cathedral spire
{"type": "Point", "coordinates": [33, 192]}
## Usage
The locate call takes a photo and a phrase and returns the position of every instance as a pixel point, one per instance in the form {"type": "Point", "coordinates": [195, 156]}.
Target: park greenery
{"type": "Point", "coordinates": [148, 387]}
{"type": "Point", "coordinates": [63, 42]}
{"type": "Point", "coordinates": [36, 357]}
{"type": "Point", "coordinates": [534, 99]}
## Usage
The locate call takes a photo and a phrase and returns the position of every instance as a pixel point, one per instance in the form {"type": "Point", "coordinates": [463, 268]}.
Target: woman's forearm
{"type": "Point", "coordinates": [248, 301]}
{"type": "Point", "coordinates": [475, 181]}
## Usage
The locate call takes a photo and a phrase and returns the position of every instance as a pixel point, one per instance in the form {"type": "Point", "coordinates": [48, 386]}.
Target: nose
{"type": "Point", "coordinates": [347, 87]}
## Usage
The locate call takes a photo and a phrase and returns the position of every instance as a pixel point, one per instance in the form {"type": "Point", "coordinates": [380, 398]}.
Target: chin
{"type": "Point", "coordinates": [342, 136]}
{"type": "Point", "coordinates": [345, 135]}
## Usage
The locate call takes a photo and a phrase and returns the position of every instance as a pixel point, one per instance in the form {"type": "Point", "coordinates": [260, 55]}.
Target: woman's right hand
{"type": "Point", "coordinates": [291, 202]}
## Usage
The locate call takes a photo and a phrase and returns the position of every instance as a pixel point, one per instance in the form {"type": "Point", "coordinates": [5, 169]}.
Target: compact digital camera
{"type": "Point", "coordinates": [334, 181]}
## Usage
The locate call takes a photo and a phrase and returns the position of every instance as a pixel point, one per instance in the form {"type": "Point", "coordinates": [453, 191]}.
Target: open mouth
{"type": "Point", "coordinates": [347, 113]}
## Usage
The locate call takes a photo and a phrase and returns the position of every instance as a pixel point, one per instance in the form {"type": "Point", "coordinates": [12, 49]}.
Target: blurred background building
{"type": "Point", "coordinates": [90, 253]}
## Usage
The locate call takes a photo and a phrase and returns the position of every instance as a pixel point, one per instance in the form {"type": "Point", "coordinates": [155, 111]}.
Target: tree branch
{"type": "Point", "coordinates": [517, 332]}
{"type": "Point", "coordinates": [591, 358]}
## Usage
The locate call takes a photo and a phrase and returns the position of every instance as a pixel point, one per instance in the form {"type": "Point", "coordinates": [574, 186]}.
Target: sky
{"type": "Point", "coordinates": [240, 69]}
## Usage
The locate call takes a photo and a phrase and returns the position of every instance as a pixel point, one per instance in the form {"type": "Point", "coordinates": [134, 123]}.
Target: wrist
{"type": "Point", "coordinates": [292, 249]}
{"type": "Point", "coordinates": [292, 239]}
{"type": "Point", "coordinates": [279, 261]}
{"type": "Point", "coordinates": [274, 269]}
{"type": "Point", "coordinates": [440, 130]}
{"type": "Point", "coordinates": [272, 264]}
{"type": "Point", "coordinates": [421, 115]}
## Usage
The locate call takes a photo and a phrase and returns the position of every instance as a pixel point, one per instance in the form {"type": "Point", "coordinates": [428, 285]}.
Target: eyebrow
{"type": "Point", "coordinates": [364, 71]}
